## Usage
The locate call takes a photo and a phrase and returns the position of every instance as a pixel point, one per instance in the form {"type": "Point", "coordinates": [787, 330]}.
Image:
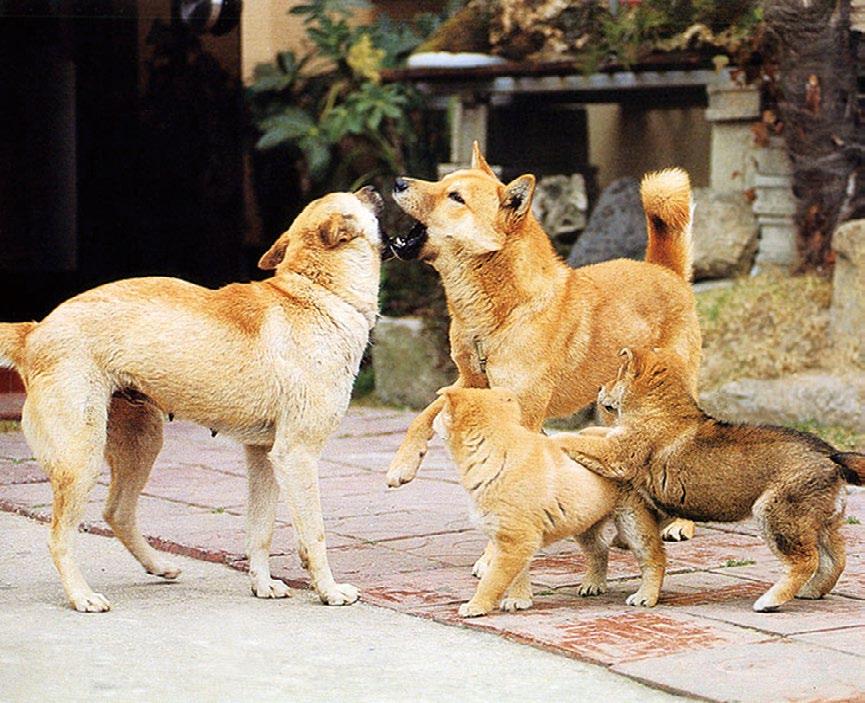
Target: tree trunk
{"type": "Point", "coordinates": [819, 107]}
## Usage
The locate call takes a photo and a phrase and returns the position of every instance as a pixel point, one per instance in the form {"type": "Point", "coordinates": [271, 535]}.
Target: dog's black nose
{"type": "Point", "coordinates": [400, 185]}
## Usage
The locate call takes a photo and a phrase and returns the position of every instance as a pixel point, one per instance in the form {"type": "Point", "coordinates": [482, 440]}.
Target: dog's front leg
{"type": "Point", "coordinates": [296, 470]}
{"type": "Point", "coordinates": [597, 454]}
{"type": "Point", "coordinates": [411, 452]}
{"type": "Point", "coordinates": [260, 517]}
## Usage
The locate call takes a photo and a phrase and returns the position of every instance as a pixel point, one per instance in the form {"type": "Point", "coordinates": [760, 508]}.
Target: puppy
{"type": "Point", "coordinates": [690, 465]}
{"type": "Point", "coordinates": [528, 494]}
{"type": "Point", "coordinates": [510, 296]}
{"type": "Point", "coordinates": [269, 363]}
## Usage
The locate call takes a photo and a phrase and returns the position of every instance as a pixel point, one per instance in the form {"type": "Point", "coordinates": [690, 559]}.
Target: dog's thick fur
{"type": "Point", "coordinates": [521, 318]}
{"type": "Point", "coordinates": [693, 466]}
{"type": "Point", "coordinates": [269, 363]}
{"type": "Point", "coordinates": [528, 494]}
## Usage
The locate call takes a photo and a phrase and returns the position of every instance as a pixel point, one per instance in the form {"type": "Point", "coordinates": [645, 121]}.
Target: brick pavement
{"type": "Point", "coordinates": [411, 550]}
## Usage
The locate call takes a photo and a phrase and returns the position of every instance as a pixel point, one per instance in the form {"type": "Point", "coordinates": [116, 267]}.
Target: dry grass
{"type": "Point", "coordinates": [9, 426]}
{"type": "Point", "coordinates": [764, 326]}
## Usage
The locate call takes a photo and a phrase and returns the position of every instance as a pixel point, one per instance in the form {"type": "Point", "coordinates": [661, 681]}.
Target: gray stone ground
{"type": "Point", "coordinates": [205, 638]}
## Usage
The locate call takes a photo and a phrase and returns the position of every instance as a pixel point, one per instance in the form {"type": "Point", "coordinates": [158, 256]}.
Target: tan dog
{"type": "Point", "coordinates": [691, 465]}
{"type": "Point", "coordinates": [528, 494]}
{"type": "Point", "coordinates": [270, 364]}
{"type": "Point", "coordinates": [521, 318]}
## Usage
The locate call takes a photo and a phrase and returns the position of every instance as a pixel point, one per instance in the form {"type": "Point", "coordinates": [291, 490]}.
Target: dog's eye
{"type": "Point", "coordinates": [457, 197]}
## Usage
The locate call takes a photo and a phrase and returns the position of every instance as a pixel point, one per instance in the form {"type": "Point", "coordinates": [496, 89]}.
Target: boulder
{"type": "Point", "coordinates": [560, 204]}
{"type": "Point", "coordinates": [409, 361]}
{"type": "Point", "coordinates": [818, 397]}
{"type": "Point", "coordinates": [616, 228]}
{"type": "Point", "coordinates": [725, 234]}
{"type": "Point", "coordinates": [848, 292]}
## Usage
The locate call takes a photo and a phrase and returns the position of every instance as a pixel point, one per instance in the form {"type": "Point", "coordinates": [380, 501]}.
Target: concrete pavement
{"type": "Point", "coordinates": [206, 638]}
{"type": "Point", "coordinates": [410, 550]}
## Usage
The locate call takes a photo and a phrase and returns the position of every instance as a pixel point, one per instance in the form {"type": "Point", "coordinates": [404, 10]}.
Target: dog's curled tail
{"type": "Point", "coordinates": [666, 199]}
{"type": "Point", "coordinates": [852, 465]}
{"type": "Point", "coordinates": [12, 336]}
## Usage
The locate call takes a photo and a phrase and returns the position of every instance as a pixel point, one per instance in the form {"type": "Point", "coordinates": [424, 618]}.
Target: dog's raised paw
{"type": "Point", "coordinates": [340, 594]}
{"type": "Point", "coordinates": [91, 603]}
{"type": "Point", "coordinates": [592, 588]}
{"type": "Point", "coordinates": [766, 604]}
{"type": "Point", "coordinates": [471, 610]}
{"type": "Point", "coordinates": [511, 605]}
{"type": "Point", "coordinates": [270, 588]}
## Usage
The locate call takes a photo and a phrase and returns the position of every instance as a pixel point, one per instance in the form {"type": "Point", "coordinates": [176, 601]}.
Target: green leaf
{"type": "Point", "coordinates": [317, 155]}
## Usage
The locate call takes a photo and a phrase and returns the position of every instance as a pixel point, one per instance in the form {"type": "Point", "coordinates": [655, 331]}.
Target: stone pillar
{"type": "Point", "coordinates": [847, 325]}
{"type": "Point", "coordinates": [775, 205]}
{"type": "Point", "coordinates": [732, 110]}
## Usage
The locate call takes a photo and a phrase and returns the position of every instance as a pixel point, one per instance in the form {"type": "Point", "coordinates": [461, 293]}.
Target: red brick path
{"type": "Point", "coordinates": [411, 550]}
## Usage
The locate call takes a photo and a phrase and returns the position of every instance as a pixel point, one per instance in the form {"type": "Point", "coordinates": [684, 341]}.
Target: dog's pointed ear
{"type": "Point", "coordinates": [628, 363]}
{"type": "Point", "coordinates": [273, 257]}
{"type": "Point", "coordinates": [479, 162]}
{"type": "Point", "coordinates": [517, 197]}
{"type": "Point", "coordinates": [337, 229]}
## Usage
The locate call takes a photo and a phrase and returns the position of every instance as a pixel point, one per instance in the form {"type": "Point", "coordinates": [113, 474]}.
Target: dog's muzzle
{"type": "Point", "coordinates": [408, 247]}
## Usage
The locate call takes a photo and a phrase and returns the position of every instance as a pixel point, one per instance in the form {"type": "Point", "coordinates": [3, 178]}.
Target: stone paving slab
{"type": "Point", "coordinates": [411, 550]}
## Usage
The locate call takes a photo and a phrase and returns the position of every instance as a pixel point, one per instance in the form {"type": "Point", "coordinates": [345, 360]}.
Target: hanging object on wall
{"type": "Point", "coordinates": [208, 16]}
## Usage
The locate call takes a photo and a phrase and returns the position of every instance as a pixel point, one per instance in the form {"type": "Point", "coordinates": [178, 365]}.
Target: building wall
{"type": "Point", "coordinates": [628, 141]}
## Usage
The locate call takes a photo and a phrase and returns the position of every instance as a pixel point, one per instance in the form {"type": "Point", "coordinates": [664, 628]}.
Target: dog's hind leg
{"type": "Point", "coordinates": [793, 543]}
{"type": "Point", "coordinates": [833, 559]}
{"type": "Point", "coordinates": [597, 554]}
{"type": "Point", "coordinates": [134, 441]}
{"type": "Point", "coordinates": [65, 424]}
{"type": "Point", "coordinates": [260, 517]}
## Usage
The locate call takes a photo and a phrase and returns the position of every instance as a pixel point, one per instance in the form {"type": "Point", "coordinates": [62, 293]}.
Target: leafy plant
{"type": "Point", "coordinates": [343, 124]}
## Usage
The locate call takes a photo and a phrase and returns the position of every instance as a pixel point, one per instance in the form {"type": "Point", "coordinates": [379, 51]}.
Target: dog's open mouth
{"type": "Point", "coordinates": [408, 246]}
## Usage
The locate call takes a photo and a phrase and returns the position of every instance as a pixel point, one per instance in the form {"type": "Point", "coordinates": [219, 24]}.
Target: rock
{"type": "Point", "coordinates": [616, 228]}
{"type": "Point", "coordinates": [820, 397]}
{"type": "Point", "coordinates": [409, 361]}
{"type": "Point", "coordinates": [725, 234]}
{"type": "Point", "coordinates": [847, 324]}
{"type": "Point", "coordinates": [560, 204]}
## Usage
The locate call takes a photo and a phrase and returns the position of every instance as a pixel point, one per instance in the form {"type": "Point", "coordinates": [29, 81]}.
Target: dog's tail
{"type": "Point", "coordinates": [852, 465]}
{"type": "Point", "coordinates": [12, 336]}
{"type": "Point", "coordinates": [666, 199]}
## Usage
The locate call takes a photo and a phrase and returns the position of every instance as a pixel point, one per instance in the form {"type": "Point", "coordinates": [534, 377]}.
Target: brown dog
{"type": "Point", "coordinates": [521, 318]}
{"type": "Point", "coordinates": [270, 364]}
{"type": "Point", "coordinates": [528, 494]}
{"type": "Point", "coordinates": [693, 466]}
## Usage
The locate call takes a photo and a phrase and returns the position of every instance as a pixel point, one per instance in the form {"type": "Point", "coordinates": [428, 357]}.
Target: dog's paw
{"type": "Point", "coordinates": [404, 466]}
{"type": "Point", "coordinates": [592, 588]}
{"type": "Point", "coordinates": [479, 568]}
{"type": "Point", "coordinates": [339, 594]}
{"type": "Point", "coordinates": [90, 603]}
{"type": "Point", "coordinates": [270, 588]}
{"type": "Point", "coordinates": [511, 605]}
{"type": "Point", "coordinates": [678, 531]}
{"type": "Point", "coordinates": [472, 610]}
{"type": "Point", "coordinates": [767, 603]}
{"type": "Point", "coordinates": [167, 570]}
{"type": "Point", "coordinates": [642, 600]}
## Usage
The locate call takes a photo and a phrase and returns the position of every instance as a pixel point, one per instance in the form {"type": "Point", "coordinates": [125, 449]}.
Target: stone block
{"type": "Point", "coordinates": [560, 204]}
{"type": "Point", "coordinates": [847, 319]}
{"type": "Point", "coordinates": [408, 362]}
{"type": "Point", "coordinates": [725, 234]}
{"type": "Point", "coordinates": [732, 102]}
{"type": "Point", "coordinates": [827, 398]}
